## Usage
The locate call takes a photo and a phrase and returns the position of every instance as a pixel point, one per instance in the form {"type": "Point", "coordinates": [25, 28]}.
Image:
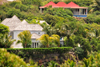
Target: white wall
{"type": "Point", "coordinates": [11, 0]}
{"type": "Point", "coordinates": [15, 36]}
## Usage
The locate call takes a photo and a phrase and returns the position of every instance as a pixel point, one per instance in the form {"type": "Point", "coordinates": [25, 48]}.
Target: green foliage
{"type": "Point", "coordinates": [80, 52]}
{"type": "Point", "coordinates": [10, 60]}
{"type": "Point", "coordinates": [49, 41]}
{"type": "Point", "coordinates": [25, 38]}
{"type": "Point", "coordinates": [52, 64]}
{"type": "Point", "coordinates": [90, 18]}
{"type": "Point", "coordinates": [3, 29]}
{"type": "Point", "coordinates": [92, 61]}
{"type": "Point", "coordinates": [50, 19]}
{"type": "Point", "coordinates": [21, 7]}
{"type": "Point", "coordinates": [39, 50]}
{"type": "Point", "coordinates": [31, 2]}
{"type": "Point", "coordinates": [6, 41]}
{"type": "Point", "coordinates": [59, 12]}
{"type": "Point", "coordinates": [68, 63]}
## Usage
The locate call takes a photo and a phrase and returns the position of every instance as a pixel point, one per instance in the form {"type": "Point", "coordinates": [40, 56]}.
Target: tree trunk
{"type": "Point", "coordinates": [25, 45]}
{"type": "Point", "coordinates": [47, 45]}
{"type": "Point", "coordinates": [58, 45]}
{"type": "Point", "coordinates": [6, 46]}
{"type": "Point", "coordinates": [68, 40]}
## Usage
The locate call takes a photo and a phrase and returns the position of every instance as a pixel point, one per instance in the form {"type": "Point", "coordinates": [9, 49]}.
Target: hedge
{"type": "Point", "coordinates": [40, 50]}
{"type": "Point", "coordinates": [38, 53]}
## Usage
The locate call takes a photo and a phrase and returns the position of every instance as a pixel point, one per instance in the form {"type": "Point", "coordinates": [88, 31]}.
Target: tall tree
{"type": "Point", "coordinates": [49, 41]}
{"type": "Point", "coordinates": [6, 41]}
{"type": "Point", "coordinates": [56, 39]}
{"type": "Point", "coordinates": [45, 40]}
{"type": "Point", "coordinates": [25, 38]}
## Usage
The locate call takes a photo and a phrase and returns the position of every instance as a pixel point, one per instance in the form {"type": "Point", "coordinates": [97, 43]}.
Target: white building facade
{"type": "Point", "coordinates": [16, 26]}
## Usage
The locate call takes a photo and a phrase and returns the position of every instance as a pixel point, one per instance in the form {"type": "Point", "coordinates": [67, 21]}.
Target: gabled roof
{"type": "Point", "coordinates": [35, 27]}
{"type": "Point", "coordinates": [24, 22]}
{"type": "Point", "coordinates": [72, 4]}
{"type": "Point", "coordinates": [64, 5]}
{"type": "Point", "coordinates": [15, 24]}
{"type": "Point", "coordinates": [61, 4]}
{"type": "Point", "coordinates": [50, 4]}
{"type": "Point", "coordinates": [35, 36]}
{"type": "Point", "coordinates": [12, 22]}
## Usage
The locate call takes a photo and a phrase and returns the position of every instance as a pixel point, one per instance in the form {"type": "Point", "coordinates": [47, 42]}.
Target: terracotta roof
{"type": "Point", "coordinates": [62, 4]}
{"type": "Point", "coordinates": [49, 4]}
{"type": "Point", "coordinates": [72, 4]}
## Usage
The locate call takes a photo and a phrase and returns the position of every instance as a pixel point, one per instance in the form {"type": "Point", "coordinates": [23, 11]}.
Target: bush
{"type": "Point", "coordinates": [59, 12]}
{"type": "Point", "coordinates": [50, 19]}
{"type": "Point", "coordinates": [80, 52]}
{"type": "Point", "coordinates": [10, 60]}
{"type": "Point", "coordinates": [21, 7]}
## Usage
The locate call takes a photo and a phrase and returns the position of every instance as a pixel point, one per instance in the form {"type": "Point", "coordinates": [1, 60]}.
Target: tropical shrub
{"type": "Point", "coordinates": [52, 64]}
{"type": "Point", "coordinates": [59, 12]}
{"type": "Point", "coordinates": [6, 41]}
{"type": "Point", "coordinates": [10, 60]}
{"type": "Point", "coordinates": [25, 38]}
{"type": "Point", "coordinates": [68, 63]}
{"type": "Point", "coordinates": [4, 29]}
{"type": "Point", "coordinates": [47, 41]}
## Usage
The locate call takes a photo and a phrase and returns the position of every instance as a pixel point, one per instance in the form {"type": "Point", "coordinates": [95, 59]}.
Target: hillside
{"type": "Point", "coordinates": [29, 9]}
{"type": "Point", "coordinates": [80, 34]}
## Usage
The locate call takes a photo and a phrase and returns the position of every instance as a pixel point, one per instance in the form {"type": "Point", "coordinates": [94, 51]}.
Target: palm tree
{"type": "Point", "coordinates": [48, 41]}
{"type": "Point", "coordinates": [6, 41]}
{"type": "Point", "coordinates": [45, 40]}
{"type": "Point", "coordinates": [68, 29]}
{"type": "Point", "coordinates": [56, 39]}
{"type": "Point", "coordinates": [25, 38]}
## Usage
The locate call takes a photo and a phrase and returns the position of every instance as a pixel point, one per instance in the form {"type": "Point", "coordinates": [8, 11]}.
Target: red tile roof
{"type": "Point", "coordinates": [50, 4]}
{"type": "Point", "coordinates": [72, 4]}
{"type": "Point", "coordinates": [61, 4]}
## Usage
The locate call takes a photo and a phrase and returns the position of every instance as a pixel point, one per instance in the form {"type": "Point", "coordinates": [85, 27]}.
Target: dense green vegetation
{"type": "Point", "coordinates": [25, 39]}
{"type": "Point", "coordinates": [7, 59]}
{"type": "Point", "coordinates": [47, 41]}
{"type": "Point", "coordinates": [39, 50]}
{"type": "Point", "coordinates": [82, 35]}
{"type": "Point", "coordinates": [5, 40]}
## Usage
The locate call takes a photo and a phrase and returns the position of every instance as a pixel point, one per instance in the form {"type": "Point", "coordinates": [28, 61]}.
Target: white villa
{"type": "Point", "coordinates": [16, 26]}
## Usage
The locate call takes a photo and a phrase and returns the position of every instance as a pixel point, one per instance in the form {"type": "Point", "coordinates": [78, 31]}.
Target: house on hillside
{"type": "Point", "coordinates": [3, 1]}
{"type": "Point", "coordinates": [77, 10]}
{"type": "Point", "coordinates": [16, 26]}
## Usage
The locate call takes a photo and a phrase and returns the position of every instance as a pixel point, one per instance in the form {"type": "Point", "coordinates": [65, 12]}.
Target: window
{"type": "Point", "coordinates": [38, 32]}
